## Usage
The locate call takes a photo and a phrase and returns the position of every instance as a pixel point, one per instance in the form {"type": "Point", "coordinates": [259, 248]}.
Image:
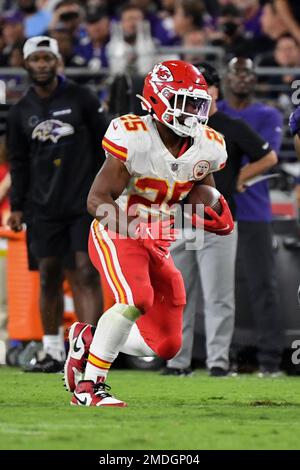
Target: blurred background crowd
{"type": "Point", "coordinates": [99, 39]}
{"type": "Point", "coordinates": [113, 36]}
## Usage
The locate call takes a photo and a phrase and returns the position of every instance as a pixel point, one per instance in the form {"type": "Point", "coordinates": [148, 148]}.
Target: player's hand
{"type": "Point", "coordinates": [160, 230]}
{"type": "Point", "coordinates": [158, 250]}
{"type": "Point", "coordinates": [156, 237]}
{"type": "Point", "coordinates": [294, 121]}
{"type": "Point", "coordinates": [220, 224]}
{"type": "Point", "coordinates": [15, 221]}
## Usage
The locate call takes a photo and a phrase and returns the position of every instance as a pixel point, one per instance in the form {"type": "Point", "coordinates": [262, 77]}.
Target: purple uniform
{"type": "Point", "coordinates": [254, 204]}
{"type": "Point", "coordinates": [90, 54]}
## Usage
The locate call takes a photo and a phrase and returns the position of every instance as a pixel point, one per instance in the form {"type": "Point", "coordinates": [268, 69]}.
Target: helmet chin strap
{"type": "Point", "coordinates": [146, 106]}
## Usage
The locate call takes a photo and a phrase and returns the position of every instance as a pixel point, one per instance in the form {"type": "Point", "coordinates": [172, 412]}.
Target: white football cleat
{"type": "Point", "coordinates": [80, 338]}
{"type": "Point", "coordinates": [88, 393]}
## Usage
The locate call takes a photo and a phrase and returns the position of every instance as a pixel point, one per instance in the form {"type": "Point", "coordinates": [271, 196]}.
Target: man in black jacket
{"type": "Point", "coordinates": [54, 139]}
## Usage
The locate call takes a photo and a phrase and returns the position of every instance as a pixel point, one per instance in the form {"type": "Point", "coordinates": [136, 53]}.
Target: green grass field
{"type": "Point", "coordinates": [197, 412]}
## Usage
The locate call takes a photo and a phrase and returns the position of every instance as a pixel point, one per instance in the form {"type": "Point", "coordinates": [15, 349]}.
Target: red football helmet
{"type": "Point", "coordinates": [168, 88]}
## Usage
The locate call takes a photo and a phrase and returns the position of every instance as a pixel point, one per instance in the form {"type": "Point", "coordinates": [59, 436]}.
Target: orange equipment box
{"type": "Point", "coordinates": [24, 320]}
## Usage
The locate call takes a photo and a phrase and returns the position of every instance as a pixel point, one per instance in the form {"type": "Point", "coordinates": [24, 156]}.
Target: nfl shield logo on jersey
{"type": "Point", "coordinates": [174, 166]}
{"type": "Point", "coordinates": [200, 169]}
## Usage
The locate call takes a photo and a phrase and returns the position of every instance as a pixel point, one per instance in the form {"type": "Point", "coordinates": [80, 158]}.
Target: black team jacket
{"type": "Point", "coordinates": [55, 150]}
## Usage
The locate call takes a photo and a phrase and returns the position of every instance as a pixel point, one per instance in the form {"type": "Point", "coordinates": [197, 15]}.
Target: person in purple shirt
{"type": "Point", "coordinates": [294, 124]}
{"type": "Point", "coordinates": [92, 48]}
{"type": "Point", "coordinates": [254, 215]}
{"type": "Point", "coordinates": [254, 204]}
{"type": "Point", "coordinates": [251, 11]}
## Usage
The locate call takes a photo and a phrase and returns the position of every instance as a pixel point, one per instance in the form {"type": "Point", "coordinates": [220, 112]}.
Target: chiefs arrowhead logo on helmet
{"type": "Point", "coordinates": [161, 73]}
{"type": "Point", "coordinates": [175, 93]}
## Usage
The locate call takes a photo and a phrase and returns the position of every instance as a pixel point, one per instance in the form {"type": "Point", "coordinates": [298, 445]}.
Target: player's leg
{"type": "Point", "coordinates": [216, 262]}
{"type": "Point", "coordinates": [156, 332]}
{"type": "Point", "coordinates": [185, 262]}
{"type": "Point", "coordinates": [85, 281]}
{"type": "Point", "coordinates": [124, 264]}
{"type": "Point", "coordinates": [135, 344]}
{"type": "Point", "coordinates": [80, 339]}
{"type": "Point", "coordinates": [161, 326]}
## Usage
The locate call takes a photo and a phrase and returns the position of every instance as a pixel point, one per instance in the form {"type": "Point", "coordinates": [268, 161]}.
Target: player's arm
{"type": "Point", "coordinates": [208, 180]}
{"type": "Point", "coordinates": [219, 224]}
{"type": "Point", "coordinates": [108, 185]}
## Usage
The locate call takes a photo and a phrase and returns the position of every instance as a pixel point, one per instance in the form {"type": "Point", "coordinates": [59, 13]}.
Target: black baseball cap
{"type": "Point", "coordinates": [96, 15]}
{"type": "Point", "coordinates": [210, 74]}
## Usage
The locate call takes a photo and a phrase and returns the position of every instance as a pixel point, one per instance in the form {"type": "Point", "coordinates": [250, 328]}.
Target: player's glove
{"type": "Point", "coordinates": [294, 121]}
{"type": "Point", "coordinates": [156, 237]}
{"type": "Point", "coordinates": [220, 224]}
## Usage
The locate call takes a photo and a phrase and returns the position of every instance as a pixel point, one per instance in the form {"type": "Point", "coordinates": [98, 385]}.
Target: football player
{"type": "Point", "coordinates": [152, 162]}
{"type": "Point", "coordinates": [294, 123]}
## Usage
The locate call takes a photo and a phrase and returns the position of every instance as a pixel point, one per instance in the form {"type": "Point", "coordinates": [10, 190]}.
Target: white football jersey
{"type": "Point", "coordinates": [158, 179]}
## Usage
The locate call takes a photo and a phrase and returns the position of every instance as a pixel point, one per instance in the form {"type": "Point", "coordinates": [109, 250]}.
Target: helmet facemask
{"type": "Point", "coordinates": [167, 92]}
{"type": "Point", "coordinates": [176, 117]}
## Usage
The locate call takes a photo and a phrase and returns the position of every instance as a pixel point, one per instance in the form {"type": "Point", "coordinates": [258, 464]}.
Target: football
{"type": "Point", "coordinates": [206, 195]}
